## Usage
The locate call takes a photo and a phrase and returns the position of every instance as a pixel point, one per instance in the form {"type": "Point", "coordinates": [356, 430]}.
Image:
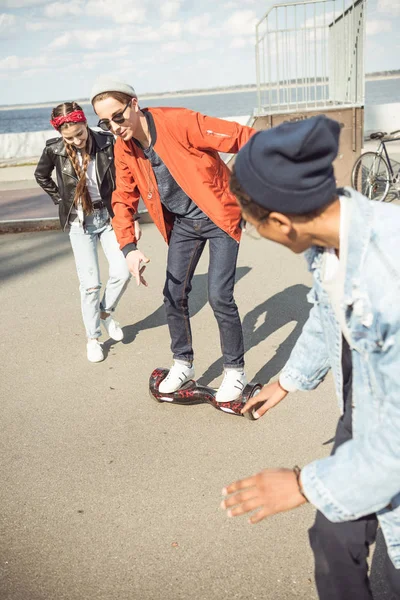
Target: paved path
{"type": "Point", "coordinates": [22, 198]}
{"type": "Point", "coordinates": [107, 495]}
{"type": "Point", "coordinates": [29, 203]}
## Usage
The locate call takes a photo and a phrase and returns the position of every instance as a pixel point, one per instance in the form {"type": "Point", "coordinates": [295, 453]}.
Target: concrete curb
{"type": "Point", "coordinates": [46, 224]}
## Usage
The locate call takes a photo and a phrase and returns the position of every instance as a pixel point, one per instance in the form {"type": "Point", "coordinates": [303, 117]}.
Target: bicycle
{"type": "Point", "coordinates": [373, 174]}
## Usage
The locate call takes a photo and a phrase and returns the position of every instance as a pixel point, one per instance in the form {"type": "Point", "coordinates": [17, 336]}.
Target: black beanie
{"type": "Point", "coordinates": [289, 168]}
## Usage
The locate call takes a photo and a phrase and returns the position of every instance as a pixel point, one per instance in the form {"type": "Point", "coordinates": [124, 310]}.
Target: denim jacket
{"type": "Point", "coordinates": [363, 476]}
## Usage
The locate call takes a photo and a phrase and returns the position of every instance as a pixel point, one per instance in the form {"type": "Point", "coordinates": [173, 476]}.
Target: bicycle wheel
{"type": "Point", "coordinates": [370, 176]}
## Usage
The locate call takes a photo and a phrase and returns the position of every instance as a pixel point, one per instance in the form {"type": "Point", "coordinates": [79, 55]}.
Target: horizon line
{"type": "Point", "coordinates": [194, 91]}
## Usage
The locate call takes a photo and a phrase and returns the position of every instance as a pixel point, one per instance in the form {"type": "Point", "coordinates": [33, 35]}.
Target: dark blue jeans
{"type": "Point", "coordinates": [188, 238]}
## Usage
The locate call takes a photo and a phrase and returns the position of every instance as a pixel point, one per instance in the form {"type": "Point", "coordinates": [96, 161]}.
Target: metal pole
{"type": "Point", "coordinates": [295, 54]}
{"type": "Point", "coordinates": [269, 65]}
{"type": "Point", "coordinates": [324, 51]}
{"type": "Point", "coordinates": [278, 89]}
{"type": "Point", "coordinates": [258, 78]}
{"type": "Point", "coordinates": [315, 56]}
{"type": "Point", "coordinates": [288, 88]}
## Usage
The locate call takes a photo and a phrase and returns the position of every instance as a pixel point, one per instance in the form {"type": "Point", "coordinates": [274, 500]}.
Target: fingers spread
{"type": "Point", "coordinates": [245, 507]}
{"type": "Point", "coordinates": [239, 485]}
{"type": "Point", "coordinates": [239, 498]}
{"type": "Point", "coordinates": [258, 516]}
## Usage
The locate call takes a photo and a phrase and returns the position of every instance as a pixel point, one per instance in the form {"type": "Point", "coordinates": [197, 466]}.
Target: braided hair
{"type": "Point", "coordinates": [81, 192]}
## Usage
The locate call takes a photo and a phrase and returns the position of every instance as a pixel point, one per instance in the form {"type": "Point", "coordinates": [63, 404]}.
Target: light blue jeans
{"type": "Point", "coordinates": [84, 245]}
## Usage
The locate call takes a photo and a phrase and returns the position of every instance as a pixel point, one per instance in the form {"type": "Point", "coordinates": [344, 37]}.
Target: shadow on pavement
{"type": "Point", "coordinates": [16, 261]}
{"type": "Point", "coordinates": [26, 204]}
{"type": "Point", "coordinates": [197, 299]}
{"type": "Point", "coordinates": [279, 310]}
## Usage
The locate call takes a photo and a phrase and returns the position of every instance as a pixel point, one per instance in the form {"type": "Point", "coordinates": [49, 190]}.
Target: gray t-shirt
{"type": "Point", "coordinates": [172, 195]}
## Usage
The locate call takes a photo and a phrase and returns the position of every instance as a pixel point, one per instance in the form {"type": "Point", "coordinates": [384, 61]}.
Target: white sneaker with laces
{"type": "Point", "coordinates": [178, 375]}
{"type": "Point", "coordinates": [232, 385]}
{"type": "Point", "coordinates": [113, 329]}
{"type": "Point", "coordinates": [94, 351]}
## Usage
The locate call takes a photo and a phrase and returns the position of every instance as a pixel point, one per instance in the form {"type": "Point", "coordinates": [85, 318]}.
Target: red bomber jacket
{"type": "Point", "coordinates": [188, 143]}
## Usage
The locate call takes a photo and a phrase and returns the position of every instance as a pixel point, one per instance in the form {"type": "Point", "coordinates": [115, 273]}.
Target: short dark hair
{"type": "Point", "coordinates": [119, 96]}
{"type": "Point", "coordinates": [245, 202]}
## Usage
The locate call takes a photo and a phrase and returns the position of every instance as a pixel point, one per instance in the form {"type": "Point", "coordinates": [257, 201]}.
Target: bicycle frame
{"type": "Point", "coordinates": [382, 146]}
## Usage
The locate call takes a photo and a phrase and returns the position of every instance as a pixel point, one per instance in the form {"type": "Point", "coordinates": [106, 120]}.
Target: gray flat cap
{"type": "Point", "coordinates": [108, 84]}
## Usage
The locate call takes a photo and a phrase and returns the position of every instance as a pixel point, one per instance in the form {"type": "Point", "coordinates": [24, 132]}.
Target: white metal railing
{"type": "Point", "coordinates": [311, 54]}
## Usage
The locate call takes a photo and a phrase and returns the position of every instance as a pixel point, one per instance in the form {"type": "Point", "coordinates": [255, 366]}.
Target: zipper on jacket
{"type": "Point", "coordinates": [69, 212]}
{"type": "Point", "coordinates": [211, 132]}
{"type": "Point", "coordinates": [97, 172]}
{"type": "Point", "coordinates": [112, 180]}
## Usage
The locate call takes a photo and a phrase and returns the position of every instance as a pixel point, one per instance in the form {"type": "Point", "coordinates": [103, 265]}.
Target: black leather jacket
{"type": "Point", "coordinates": [55, 156]}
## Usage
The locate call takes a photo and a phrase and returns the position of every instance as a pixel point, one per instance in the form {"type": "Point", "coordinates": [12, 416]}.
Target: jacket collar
{"type": "Point", "coordinates": [101, 141]}
{"type": "Point", "coordinates": [152, 130]}
{"type": "Point", "coordinates": [151, 124]}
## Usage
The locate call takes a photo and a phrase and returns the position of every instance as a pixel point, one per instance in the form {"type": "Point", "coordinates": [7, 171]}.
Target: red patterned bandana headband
{"type": "Point", "coordinates": [77, 116]}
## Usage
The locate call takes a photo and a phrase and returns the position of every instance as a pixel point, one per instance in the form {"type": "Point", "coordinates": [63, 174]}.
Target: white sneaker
{"type": "Point", "coordinates": [178, 375]}
{"type": "Point", "coordinates": [232, 385]}
{"type": "Point", "coordinates": [94, 351]}
{"type": "Point", "coordinates": [113, 329]}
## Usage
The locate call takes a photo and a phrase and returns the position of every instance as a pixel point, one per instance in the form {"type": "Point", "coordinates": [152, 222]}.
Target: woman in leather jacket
{"type": "Point", "coordinates": [85, 178]}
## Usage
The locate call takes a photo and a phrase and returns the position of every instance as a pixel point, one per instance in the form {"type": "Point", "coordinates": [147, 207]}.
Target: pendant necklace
{"type": "Point", "coordinates": [149, 183]}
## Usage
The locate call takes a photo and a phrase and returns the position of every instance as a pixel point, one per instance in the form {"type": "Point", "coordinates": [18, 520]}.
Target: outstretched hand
{"type": "Point", "coordinates": [271, 394]}
{"type": "Point", "coordinates": [271, 491]}
{"type": "Point", "coordinates": [134, 260]}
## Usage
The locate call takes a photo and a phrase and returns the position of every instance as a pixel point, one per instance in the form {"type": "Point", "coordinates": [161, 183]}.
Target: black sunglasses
{"type": "Point", "coordinates": [105, 124]}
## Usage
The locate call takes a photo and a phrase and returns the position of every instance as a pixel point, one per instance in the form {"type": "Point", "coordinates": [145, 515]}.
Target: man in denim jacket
{"type": "Point", "coordinates": [285, 184]}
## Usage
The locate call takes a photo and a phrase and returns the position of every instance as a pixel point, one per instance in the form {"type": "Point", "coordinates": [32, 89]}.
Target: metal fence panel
{"type": "Point", "coordinates": [310, 55]}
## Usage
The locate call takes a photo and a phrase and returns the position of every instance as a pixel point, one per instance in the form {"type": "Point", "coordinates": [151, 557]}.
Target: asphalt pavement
{"type": "Point", "coordinates": [107, 495]}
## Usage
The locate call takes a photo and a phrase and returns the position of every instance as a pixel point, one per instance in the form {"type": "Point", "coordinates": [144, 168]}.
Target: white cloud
{"type": "Point", "coordinates": [96, 38]}
{"type": "Point", "coordinates": [11, 63]}
{"type": "Point", "coordinates": [62, 9]}
{"type": "Point", "coordinates": [170, 9]}
{"type": "Point", "coordinates": [144, 34]}
{"type": "Point", "coordinates": [239, 42]}
{"type": "Point", "coordinates": [101, 56]}
{"type": "Point", "coordinates": [241, 22]}
{"type": "Point", "coordinates": [170, 29]}
{"type": "Point", "coordinates": [392, 7]}
{"type": "Point", "coordinates": [184, 47]}
{"type": "Point", "coordinates": [61, 41]}
{"type": "Point", "coordinates": [22, 3]}
{"type": "Point", "coordinates": [199, 25]}
{"type": "Point", "coordinates": [378, 26]}
{"type": "Point", "coordinates": [89, 38]}
{"type": "Point", "coordinates": [44, 25]}
{"type": "Point", "coordinates": [237, 4]}
{"type": "Point", "coordinates": [7, 22]}
{"type": "Point", "coordinates": [119, 11]}
{"type": "Point", "coordinates": [177, 47]}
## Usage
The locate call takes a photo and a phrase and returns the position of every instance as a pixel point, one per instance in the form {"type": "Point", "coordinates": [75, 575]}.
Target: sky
{"type": "Point", "coordinates": [54, 50]}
